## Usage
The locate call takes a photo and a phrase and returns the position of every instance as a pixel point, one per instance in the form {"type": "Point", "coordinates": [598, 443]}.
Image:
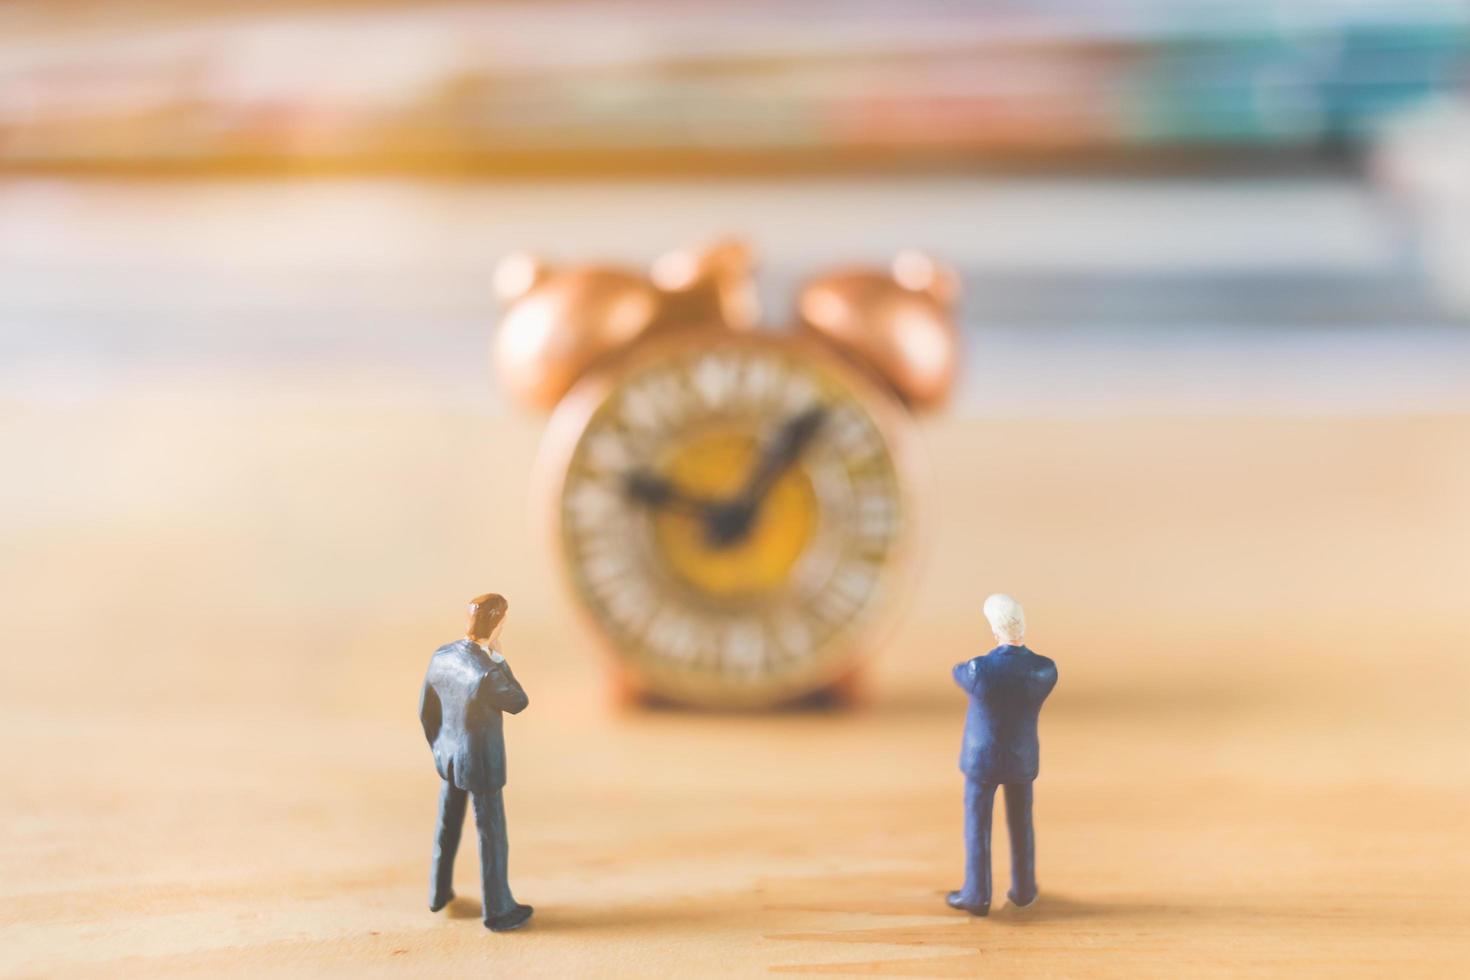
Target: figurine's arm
{"type": "Point", "coordinates": [431, 712]}
{"type": "Point", "coordinates": [967, 675]}
{"type": "Point", "coordinates": [506, 692]}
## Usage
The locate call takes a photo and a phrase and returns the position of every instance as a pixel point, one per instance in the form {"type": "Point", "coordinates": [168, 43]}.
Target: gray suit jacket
{"type": "Point", "coordinates": [461, 704]}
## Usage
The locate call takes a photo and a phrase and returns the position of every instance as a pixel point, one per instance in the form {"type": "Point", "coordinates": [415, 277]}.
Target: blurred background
{"type": "Point", "coordinates": [1258, 203]}
{"type": "Point", "coordinates": [1158, 208]}
{"type": "Point", "coordinates": [1216, 395]}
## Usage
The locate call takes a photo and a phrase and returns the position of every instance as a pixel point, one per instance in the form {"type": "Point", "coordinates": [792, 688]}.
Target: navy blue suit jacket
{"type": "Point", "coordinates": [1006, 688]}
{"type": "Point", "coordinates": [460, 707]}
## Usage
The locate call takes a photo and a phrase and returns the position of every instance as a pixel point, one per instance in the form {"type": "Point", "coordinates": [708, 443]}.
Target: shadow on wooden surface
{"type": "Point", "coordinates": [463, 908]}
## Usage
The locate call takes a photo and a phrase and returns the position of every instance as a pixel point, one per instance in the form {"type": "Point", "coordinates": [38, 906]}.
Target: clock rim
{"type": "Point", "coordinates": [568, 423]}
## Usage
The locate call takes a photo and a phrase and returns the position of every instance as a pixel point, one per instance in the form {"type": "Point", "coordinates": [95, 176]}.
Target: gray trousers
{"type": "Point", "coordinates": [494, 847]}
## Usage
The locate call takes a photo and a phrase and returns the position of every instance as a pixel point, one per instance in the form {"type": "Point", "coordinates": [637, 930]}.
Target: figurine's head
{"type": "Point", "coordinates": [1007, 619]}
{"type": "Point", "coordinates": [487, 615]}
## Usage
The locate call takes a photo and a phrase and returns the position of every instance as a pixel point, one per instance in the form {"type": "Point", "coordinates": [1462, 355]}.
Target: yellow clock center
{"type": "Point", "coordinates": [715, 466]}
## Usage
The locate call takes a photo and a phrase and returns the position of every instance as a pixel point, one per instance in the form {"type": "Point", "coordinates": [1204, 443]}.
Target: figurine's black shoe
{"type": "Point", "coordinates": [1020, 905]}
{"type": "Point", "coordinates": [957, 900]}
{"type": "Point", "coordinates": [506, 921]}
{"type": "Point", "coordinates": [437, 902]}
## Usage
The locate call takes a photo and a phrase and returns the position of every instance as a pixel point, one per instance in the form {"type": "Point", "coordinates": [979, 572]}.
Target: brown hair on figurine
{"type": "Point", "coordinates": [486, 612]}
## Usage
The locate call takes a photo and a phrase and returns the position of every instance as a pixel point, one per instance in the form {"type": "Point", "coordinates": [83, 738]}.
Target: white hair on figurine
{"type": "Point", "coordinates": [1007, 619]}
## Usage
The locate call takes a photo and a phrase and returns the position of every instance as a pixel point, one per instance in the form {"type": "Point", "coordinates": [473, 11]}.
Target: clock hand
{"type": "Point", "coordinates": [730, 521]}
{"type": "Point", "coordinates": [660, 493]}
{"type": "Point", "coordinates": [784, 449]}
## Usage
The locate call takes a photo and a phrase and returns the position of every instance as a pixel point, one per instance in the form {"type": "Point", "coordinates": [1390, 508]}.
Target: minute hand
{"type": "Point", "coordinates": [784, 449]}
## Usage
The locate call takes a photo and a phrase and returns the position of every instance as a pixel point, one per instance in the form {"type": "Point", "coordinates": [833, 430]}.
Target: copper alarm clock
{"type": "Point", "coordinates": [735, 509]}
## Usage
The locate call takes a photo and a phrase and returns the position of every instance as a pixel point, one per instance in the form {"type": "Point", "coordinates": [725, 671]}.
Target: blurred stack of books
{"type": "Point", "coordinates": [630, 84]}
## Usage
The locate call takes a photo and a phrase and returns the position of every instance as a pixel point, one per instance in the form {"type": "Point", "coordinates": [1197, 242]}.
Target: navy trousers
{"type": "Point", "coordinates": [979, 804]}
{"type": "Point", "coordinates": [494, 847]}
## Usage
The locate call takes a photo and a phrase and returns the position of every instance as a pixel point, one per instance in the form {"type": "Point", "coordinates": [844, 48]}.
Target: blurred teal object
{"type": "Point", "coordinates": [642, 85]}
{"type": "Point", "coordinates": [1292, 87]}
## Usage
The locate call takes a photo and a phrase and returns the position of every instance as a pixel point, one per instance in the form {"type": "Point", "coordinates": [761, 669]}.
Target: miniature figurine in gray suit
{"type": "Point", "coordinates": [1006, 688]}
{"type": "Point", "coordinates": [468, 686]}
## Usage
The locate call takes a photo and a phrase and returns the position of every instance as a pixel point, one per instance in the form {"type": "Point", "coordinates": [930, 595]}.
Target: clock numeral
{"type": "Point", "coordinates": [856, 581]}
{"type": "Point", "coordinates": [714, 378]}
{"type": "Point", "coordinates": [794, 637]}
{"type": "Point", "coordinates": [674, 637]}
{"type": "Point", "coordinates": [854, 434]}
{"type": "Point", "coordinates": [744, 648]}
{"type": "Point", "coordinates": [591, 505]}
{"type": "Point", "coordinates": [628, 602]}
{"type": "Point", "coordinates": [800, 394]}
{"type": "Point", "coordinates": [653, 404]}
{"type": "Point", "coordinates": [875, 512]}
{"type": "Point", "coordinates": [761, 380]}
{"type": "Point", "coordinates": [603, 565]}
{"type": "Point", "coordinates": [606, 451]}
{"type": "Point", "coordinates": [846, 592]}
{"type": "Point", "coordinates": [605, 548]}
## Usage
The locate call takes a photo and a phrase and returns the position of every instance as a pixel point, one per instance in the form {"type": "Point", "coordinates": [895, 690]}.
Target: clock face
{"type": "Point", "coordinates": [733, 516]}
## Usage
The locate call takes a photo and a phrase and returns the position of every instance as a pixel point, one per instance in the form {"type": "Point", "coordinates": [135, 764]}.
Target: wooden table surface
{"type": "Point", "coordinates": [218, 600]}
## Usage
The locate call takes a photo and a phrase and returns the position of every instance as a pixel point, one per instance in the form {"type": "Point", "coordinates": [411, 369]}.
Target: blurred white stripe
{"type": "Point", "coordinates": [106, 284]}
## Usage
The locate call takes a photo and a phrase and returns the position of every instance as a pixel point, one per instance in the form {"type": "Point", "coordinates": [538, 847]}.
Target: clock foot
{"type": "Point", "coordinates": [847, 692]}
{"type": "Point", "coordinates": [844, 693]}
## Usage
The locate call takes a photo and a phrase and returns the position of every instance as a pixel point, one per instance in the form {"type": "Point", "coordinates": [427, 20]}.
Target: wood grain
{"type": "Point", "coordinates": [219, 600]}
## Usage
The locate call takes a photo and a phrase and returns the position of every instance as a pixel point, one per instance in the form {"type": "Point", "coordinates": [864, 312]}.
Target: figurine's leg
{"type": "Point", "coordinates": [1023, 844]}
{"type": "Point", "coordinates": [446, 843]}
{"type": "Point", "coordinates": [494, 853]}
{"type": "Point", "coordinates": [979, 803]}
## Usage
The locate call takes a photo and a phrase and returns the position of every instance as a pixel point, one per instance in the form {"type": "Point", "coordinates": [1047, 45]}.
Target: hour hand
{"type": "Point", "coordinates": [660, 493]}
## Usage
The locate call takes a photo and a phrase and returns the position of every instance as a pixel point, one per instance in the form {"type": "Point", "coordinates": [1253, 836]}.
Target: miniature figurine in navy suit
{"type": "Point", "coordinates": [1006, 688]}
{"type": "Point", "coordinates": [468, 686]}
